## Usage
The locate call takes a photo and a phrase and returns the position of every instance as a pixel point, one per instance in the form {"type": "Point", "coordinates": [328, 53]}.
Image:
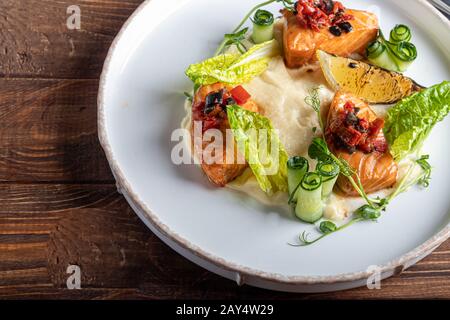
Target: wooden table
{"type": "Point", "coordinates": [58, 200]}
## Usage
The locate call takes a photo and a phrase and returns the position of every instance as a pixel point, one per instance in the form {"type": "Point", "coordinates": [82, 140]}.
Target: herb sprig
{"type": "Point", "coordinates": [313, 100]}
{"type": "Point", "coordinates": [237, 40]}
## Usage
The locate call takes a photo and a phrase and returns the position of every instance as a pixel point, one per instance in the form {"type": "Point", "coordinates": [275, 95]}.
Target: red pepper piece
{"type": "Point", "coordinates": [240, 95]}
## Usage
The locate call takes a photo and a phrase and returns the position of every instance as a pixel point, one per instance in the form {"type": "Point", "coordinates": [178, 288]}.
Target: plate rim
{"type": "Point", "coordinates": [393, 267]}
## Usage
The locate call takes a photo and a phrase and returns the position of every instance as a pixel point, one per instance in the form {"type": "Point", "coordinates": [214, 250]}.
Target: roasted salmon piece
{"type": "Point", "coordinates": [377, 171]}
{"type": "Point", "coordinates": [301, 43]}
{"type": "Point", "coordinates": [212, 115]}
{"type": "Point", "coordinates": [354, 133]}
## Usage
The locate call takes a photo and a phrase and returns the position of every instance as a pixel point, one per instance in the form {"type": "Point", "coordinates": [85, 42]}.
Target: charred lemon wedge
{"type": "Point", "coordinates": [373, 84]}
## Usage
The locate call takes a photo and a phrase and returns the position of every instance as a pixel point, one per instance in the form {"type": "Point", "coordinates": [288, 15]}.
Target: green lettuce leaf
{"type": "Point", "coordinates": [263, 150]}
{"type": "Point", "coordinates": [233, 69]}
{"type": "Point", "coordinates": [411, 120]}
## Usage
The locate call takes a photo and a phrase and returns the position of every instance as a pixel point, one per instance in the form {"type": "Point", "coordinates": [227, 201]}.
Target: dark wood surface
{"type": "Point", "coordinates": [59, 204]}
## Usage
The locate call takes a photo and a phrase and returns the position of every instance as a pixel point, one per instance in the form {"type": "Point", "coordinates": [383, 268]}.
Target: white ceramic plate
{"type": "Point", "coordinates": [141, 103]}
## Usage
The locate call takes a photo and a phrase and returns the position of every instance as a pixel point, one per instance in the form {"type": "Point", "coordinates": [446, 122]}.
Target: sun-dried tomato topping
{"type": "Point", "coordinates": [212, 111]}
{"type": "Point", "coordinates": [351, 133]}
{"type": "Point", "coordinates": [318, 14]}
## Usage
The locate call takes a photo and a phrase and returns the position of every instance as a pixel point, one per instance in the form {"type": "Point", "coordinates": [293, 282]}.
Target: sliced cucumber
{"type": "Point", "coordinates": [329, 171]}
{"type": "Point", "coordinates": [297, 168]}
{"type": "Point", "coordinates": [403, 54]}
{"type": "Point", "coordinates": [262, 33]}
{"type": "Point", "coordinates": [263, 22]}
{"type": "Point", "coordinates": [309, 202]}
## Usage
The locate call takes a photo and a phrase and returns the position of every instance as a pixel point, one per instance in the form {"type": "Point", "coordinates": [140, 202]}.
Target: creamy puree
{"type": "Point", "coordinates": [280, 94]}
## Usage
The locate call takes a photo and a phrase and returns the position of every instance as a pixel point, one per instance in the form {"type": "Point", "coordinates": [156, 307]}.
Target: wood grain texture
{"type": "Point", "coordinates": [59, 204]}
{"type": "Point", "coordinates": [35, 40]}
{"type": "Point", "coordinates": [48, 132]}
{"type": "Point", "coordinates": [93, 227]}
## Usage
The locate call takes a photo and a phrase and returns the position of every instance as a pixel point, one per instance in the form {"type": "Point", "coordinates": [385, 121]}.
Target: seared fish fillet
{"type": "Point", "coordinates": [377, 170]}
{"type": "Point", "coordinates": [218, 173]}
{"type": "Point", "coordinates": [301, 43]}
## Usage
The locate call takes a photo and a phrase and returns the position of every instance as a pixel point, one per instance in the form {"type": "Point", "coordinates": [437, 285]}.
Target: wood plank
{"type": "Point", "coordinates": [90, 226]}
{"type": "Point", "coordinates": [46, 227]}
{"type": "Point", "coordinates": [48, 132]}
{"type": "Point", "coordinates": [35, 40]}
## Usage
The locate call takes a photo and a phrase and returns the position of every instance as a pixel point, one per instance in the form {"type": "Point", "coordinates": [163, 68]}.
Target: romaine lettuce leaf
{"type": "Point", "coordinates": [263, 150]}
{"type": "Point", "coordinates": [411, 120]}
{"type": "Point", "coordinates": [233, 69]}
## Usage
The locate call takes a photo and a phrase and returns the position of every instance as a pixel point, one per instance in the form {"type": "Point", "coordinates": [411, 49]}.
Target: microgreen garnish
{"type": "Point", "coordinates": [327, 227]}
{"type": "Point", "coordinates": [319, 150]}
{"type": "Point", "coordinates": [236, 39]}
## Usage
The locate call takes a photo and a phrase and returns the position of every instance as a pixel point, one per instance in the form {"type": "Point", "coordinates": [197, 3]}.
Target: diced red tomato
{"type": "Point", "coordinates": [240, 95]}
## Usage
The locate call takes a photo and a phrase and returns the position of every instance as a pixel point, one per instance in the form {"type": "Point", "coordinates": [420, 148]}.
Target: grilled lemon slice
{"type": "Point", "coordinates": [373, 84]}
